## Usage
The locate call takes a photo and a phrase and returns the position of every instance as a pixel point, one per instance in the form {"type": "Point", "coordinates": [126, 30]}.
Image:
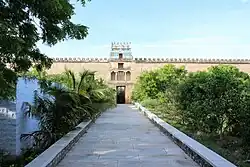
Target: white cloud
{"type": "Point", "coordinates": [244, 1]}
{"type": "Point", "coordinates": [205, 47]}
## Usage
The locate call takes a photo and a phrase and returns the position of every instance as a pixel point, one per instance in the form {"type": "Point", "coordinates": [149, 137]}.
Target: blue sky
{"type": "Point", "coordinates": [161, 28]}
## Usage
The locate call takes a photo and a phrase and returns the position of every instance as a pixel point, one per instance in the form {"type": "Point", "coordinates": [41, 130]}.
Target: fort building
{"type": "Point", "coordinates": [121, 69]}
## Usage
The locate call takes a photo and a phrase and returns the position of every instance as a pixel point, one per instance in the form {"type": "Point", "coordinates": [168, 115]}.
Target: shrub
{"type": "Point", "coordinates": [214, 101]}
{"type": "Point", "coordinates": [155, 84]}
{"type": "Point", "coordinates": [79, 98]}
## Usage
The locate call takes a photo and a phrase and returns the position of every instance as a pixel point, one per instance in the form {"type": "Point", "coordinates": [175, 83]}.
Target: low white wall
{"type": "Point", "coordinates": [7, 127]}
{"type": "Point", "coordinates": [198, 152]}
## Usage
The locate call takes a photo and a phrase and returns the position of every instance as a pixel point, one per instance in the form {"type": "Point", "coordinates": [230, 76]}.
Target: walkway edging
{"type": "Point", "coordinates": [198, 152]}
{"type": "Point", "coordinates": [56, 152]}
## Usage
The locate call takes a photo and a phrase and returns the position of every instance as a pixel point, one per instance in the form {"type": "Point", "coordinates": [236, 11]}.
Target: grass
{"type": "Point", "coordinates": [231, 148]}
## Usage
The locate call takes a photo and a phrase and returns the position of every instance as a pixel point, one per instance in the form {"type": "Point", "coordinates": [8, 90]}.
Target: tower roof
{"type": "Point", "coordinates": [120, 46]}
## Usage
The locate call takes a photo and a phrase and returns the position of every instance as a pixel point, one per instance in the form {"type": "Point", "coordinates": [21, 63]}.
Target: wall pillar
{"type": "Point", "coordinates": [128, 93]}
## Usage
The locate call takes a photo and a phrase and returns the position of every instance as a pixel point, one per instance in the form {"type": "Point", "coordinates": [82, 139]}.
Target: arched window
{"type": "Point", "coordinates": [112, 76]}
{"type": "Point", "coordinates": [128, 75]}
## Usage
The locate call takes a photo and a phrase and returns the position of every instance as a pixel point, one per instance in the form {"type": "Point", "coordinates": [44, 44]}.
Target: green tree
{"type": "Point", "coordinates": [25, 22]}
{"type": "Point", "coordinates": [212, 106]}
{"type": "Point", "coordinates": [215, 101]}
{"type": "Point", "coordinates": [80, 98]}
{"type": "Point", "coordinates": [155, 84]}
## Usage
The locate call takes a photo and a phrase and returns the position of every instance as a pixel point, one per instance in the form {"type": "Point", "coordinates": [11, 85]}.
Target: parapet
{"type": "Point", "coordinates": [80, 60]}
{"type": "Point", "coordinates": [192, 60]}
{"type": "Point", "coordinates": [156, 60]}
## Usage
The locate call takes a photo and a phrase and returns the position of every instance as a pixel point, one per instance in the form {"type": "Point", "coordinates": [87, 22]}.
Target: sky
{"type": "Point", "coordinates": [161, 29]}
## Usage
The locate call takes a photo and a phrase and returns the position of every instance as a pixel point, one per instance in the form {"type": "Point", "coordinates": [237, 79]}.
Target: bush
{"type": "Point", "coordinates": [150, 103]}
{"type": "Point", "coordinates": [78, 98]}
{"type": "Point", "coordinates": [214, 103]}
{"type": "Point", "coordinates": [156, 84]}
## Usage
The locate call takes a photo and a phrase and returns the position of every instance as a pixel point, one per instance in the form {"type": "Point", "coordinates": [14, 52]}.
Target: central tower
{"type": "Point", "coordinates": [121, 51]}
{"type": "Point", "coordinates": [120, 70]}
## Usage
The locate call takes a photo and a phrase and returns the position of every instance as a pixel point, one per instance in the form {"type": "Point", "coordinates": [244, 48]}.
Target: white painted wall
{"type": "Point", "coordinates": [24, 124]}
{"type": "Point", "coordinates": [13, 121]}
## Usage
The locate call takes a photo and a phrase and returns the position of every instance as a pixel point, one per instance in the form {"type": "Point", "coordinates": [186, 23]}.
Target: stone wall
{"type": "Point", "coordinates": [104, 67]}
{"type": "Point", "coordinates": [155, 60]}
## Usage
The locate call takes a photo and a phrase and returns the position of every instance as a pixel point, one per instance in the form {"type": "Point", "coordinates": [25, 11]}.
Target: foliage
{"type": "Point", "coordinates": [8, 85]}
{"type": "Point", "coordinates": [216, 97]}
{"type": "Point", "coordinates": [154, 84]}
{"type": "Point", "coordinates": [25, 22]}
{"type": "Point", "coordinates": [61, 108]}
{"type": "Point", "coordinates": [212, 106]}
{"type": "Point", "coordinates": [8, 160]}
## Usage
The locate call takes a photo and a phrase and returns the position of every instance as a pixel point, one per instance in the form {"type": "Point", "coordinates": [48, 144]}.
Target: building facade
{"type": "Point", "coordinates": [121, 70]}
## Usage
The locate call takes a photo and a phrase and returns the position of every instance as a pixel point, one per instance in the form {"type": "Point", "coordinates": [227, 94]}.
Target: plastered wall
{"type": "Point", "coordinates": [104, 67]}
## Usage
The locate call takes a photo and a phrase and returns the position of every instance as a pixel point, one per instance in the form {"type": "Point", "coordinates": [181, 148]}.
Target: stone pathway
{"type": "Point", "coordinates": [123, 137]}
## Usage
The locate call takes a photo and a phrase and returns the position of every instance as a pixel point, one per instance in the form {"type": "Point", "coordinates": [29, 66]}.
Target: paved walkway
{"type": "Point", "coordinates": [123, 137]}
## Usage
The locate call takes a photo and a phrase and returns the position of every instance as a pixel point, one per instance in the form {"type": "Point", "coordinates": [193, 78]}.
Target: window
{"type": "Point", "coordinates": [121, 76]}
{"type": "Point", "coordinates": [120, 56]}
{"type": "Point", "coordinates": [128, 75]}
{"type": "Point", "coordinates": [112, 76]}
{"type": "Point", "coordinates": [120, 65]}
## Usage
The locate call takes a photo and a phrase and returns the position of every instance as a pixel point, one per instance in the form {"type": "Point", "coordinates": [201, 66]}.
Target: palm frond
{"type": "Point", "coordinates": [71, 77]}
{"type": "Point", "coordinates": [86, 78]}
{"type": "Point", "coordinates": [40, 139]}
{"type": "Point", "coordinates": [60, 109]}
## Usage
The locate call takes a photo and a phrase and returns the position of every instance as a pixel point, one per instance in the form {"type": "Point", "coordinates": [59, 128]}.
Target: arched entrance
{"type": "Point", "coordinates": [120, 94]}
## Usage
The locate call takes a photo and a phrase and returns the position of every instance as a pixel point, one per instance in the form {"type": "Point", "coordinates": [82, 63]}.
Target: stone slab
{"type": "Point", "coordinates": [123, 137]}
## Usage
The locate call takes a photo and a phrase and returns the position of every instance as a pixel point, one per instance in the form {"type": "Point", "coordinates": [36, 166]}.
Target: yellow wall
{"type": "Point", "coordinates": [104, 69]}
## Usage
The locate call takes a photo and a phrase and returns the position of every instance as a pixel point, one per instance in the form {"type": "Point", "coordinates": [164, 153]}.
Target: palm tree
{"type": "Point", "coordinates": [87, 86]}
{"type": "Point", "coordinates": [64, 107]}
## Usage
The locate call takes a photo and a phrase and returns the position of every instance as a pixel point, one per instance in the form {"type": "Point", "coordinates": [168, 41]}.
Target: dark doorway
{"type": "Point", "coordinates": [120, 94]}
{"type": "Point", "coordinates": [120, 56]}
